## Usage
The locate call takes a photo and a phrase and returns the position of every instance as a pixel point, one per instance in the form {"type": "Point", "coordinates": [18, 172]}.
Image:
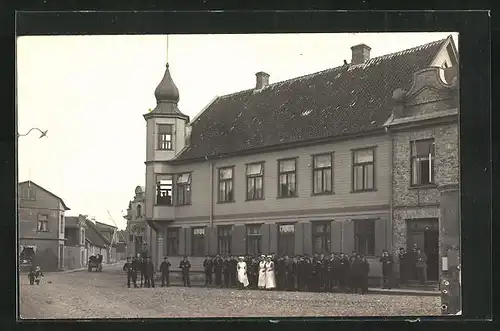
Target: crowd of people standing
{"type": "Point", "coordinates": [320, 272]}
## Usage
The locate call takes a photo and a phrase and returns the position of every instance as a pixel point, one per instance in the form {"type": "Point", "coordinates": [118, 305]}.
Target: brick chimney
{"type": "Point", "coordinates": [262, 80]}
{"type": "Point", "coordinates": [360, 54]}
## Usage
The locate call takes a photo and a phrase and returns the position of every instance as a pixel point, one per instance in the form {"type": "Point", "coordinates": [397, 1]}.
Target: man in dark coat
{"type": "Point", "coordinates": [344, 266]}
{"type": "Point", "coordinates": [130, 273]}
{"type": "Point", "coordinates": [365, 268]}
{"type": "Point", "coordinates": [136, 267]}
{"type": "Point", "coordinates": [218, 266]}
{"type": "Point", "coordinates": [355, 274]}
{"type": "Point", "coordinates": [150, 272]}
{"type": "Point", "coordinates": [165, 272]}
{"type": "Point", "coordinates": [185, 266]}
{"type": "Point", "coordinates": [142, 270]}
{"type": "Point", "coordinates": [233, 262]}
{"type": "Point", "coordinates": [387, 269]}
{"type": "Point", "coordinates": [336, 270]}
{"type": "Point", "coordinates": [412, 263]}
{"type": "Point", "coordinates": [208, 266]}
{"type": "Point", "coordinates": [226, 271]}
{"type": "Point", "coordinates": [403, 266]}
{"type": "Point", "coordinates": [280, 273]}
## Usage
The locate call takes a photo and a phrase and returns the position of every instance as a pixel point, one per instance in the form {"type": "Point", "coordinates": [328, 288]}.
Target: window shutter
{"type": "Point", "coordinates": [348, 240]}
{"type": "Point", "coordinates": [273, 232]}
{"type": "Point", "coordinates": [335, 240]}
{"type": "Point", "coordinates": [188, 235]}
{"type": "Point", "coordinates": [238, 240]}
{"type": "Point", "coordinates": [380, 236]}
{"type": "Point", "coordinates": [182, 241]}
{"type": "Point", "coordinates": [307, 238]}
{"type": "Point", "coordinates": [265, 239]}
{"type": "Point", "coordinates": [211, 240]}
{"type": "Point", "coordinates": [299, 238]}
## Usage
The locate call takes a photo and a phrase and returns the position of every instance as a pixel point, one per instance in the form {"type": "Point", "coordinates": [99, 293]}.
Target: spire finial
{"type": "Point", "coordinates": [167, 50]}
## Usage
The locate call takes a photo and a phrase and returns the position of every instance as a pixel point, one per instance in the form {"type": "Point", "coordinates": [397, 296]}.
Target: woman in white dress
{"type": "Point", "coordinates": [270, 275]}
{"type": "Point", "coordinates": [262, 273]}
{"type": "Point", "coordinates": [242, 273]}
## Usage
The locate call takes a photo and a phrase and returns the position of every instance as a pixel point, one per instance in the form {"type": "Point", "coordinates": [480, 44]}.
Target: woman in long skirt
{"type": "Point", "coordinates": [262, 273]}
{"type": "Point", "coordinates": [270, 274]}
{"type": "Point", "coordinates": [242, 273]}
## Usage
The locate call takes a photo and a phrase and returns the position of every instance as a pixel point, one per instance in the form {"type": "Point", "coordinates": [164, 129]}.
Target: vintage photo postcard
{"type": "Point", "coordinates": [248, 175]}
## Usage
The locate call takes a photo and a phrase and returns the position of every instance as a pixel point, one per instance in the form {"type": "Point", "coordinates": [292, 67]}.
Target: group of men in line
{"type": "Point", "coordinates": [320, 272]}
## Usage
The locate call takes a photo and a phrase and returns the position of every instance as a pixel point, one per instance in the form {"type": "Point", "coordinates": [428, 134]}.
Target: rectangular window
{"type": "Point", "coordinates": [226, 184]}
{"type": "Point", "coordinates": [198, 242]}
{"type": "Point", "coordinates": [184, 189]}
{"type": "Point", "coordinates": [287, 185]}
{"type": "Point", "coordinates": [321, 237]}
{"type": "Point", "coordinates": [254, 238]}
{"type": "Point", "coordinates": [286, 239]}
{"type": "Point", "coordinates": [28, 193]}
{"type": "Point", "coordinates": [61, 224]}
{"type": "Point", "coordinates": [363, 170]}
{"type": "Point", "coordinates": [165, 132]}
{"type": "Point", "coordinates": [364, 236]}
{"type": "Point", "coordinates": [224, 239]}
{"type": "Point", "coordinates": [255, 181]}
{"type": "Point", "coordinates": [164, 190]}
{"type": "Point", "coordinates": [43, 223]}
{"type": "Point", "coordinates": [422, 162]}
{"type": "Point", "coordinates": [322, 174]}
{"type": "Point", "coordinates": [172, 241]}
{"type": "Point", "coordinates": [82, 236]}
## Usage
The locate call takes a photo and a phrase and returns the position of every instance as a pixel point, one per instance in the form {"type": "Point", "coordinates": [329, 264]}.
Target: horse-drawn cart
{"type": "Point", "coordinates": [95, 262]}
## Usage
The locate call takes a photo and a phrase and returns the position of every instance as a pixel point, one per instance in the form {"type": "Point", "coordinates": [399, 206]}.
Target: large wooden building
{"type": "Point", "coordinates": [315, 164]}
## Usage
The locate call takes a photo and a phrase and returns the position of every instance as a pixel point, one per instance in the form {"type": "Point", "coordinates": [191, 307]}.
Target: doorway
{"type": "Point", "coordinates": [425, 234]}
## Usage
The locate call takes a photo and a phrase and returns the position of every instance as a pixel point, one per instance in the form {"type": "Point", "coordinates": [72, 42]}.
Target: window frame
{"type": "Point", "coordinates": [138, 211]}
{"type": "Point", "coordinates": [220, 238]}
{"type": "Point", "coordinates": [61, 224]}
{"type": "Point", "coordinates": [325, 235]}
{"type": "Point", "coordinates": [177, 232]}
{"type": "Point", "coordinates": [38, 228]}
{"type": "Point", "coordinates": [296, 194]}
{"type": "Point", "coordinates": [194, 251]}
{"type": "Point", "coordinates": [363, 164]}
{"type": "Point", "coordinates": [431, 161]}
{"type": "Point", "coordinates": [160, 141]}
{"type": "Point", "coordinates": [370, 250]}
{"type": "Point", "coordinates": [184, 186]}
{"type": "Point", "coordinates": [160, 177]}
{"type": "Point", "coordinates": [219, 181]}
{"type": "Point", "coordinates": [254, 177]}
{"type": "Point", "coordinates": [280, 238]}
{"type": "Point", "coordinates": [29, 197]}
{"type": "Point", "coordinates": [253, 236]}
{"type": "Point", "coordinates": [314, 170]}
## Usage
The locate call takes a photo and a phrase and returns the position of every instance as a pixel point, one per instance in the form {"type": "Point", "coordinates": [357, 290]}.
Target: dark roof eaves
{"type": "Point", "coordinates": [280, 147]}
{"type": "Point", "coordinates": [94, 227]}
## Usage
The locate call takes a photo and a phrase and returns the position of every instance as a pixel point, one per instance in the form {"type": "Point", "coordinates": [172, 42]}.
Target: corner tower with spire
{"type": "Point", "coordinates": [166, 132]}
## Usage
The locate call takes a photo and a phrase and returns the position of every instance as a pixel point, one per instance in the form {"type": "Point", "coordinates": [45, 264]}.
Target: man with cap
{"type": "Point", "coordinates": [150, 272]}
{"type": "Point", "coordinates": [165, 272]}
{"type": "Point", "coordinates": [218, 264]}
{"type": "Point", "coordinates": [185, 266]}
{"type": "Point", "coordinates": [130, 272]}
{"type": "Point", "coordinates": [387, 269]}
{"type": "Point", "coordinates": [208, 266]}
{"type": "Point", "coordinates": [226, 271]}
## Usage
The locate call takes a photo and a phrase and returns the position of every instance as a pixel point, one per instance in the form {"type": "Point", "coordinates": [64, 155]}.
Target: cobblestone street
{"type": "Point", "coordinates": [81, 295]}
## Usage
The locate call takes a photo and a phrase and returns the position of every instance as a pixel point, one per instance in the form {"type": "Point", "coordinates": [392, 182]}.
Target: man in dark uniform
{"type": "Point", "coordinates": [280, 273]}
{"type": "Point", "coordinates": [226, 271]}
{"type": "Point", "coordinates": [387, 269]}
{"type": "Point", "coordinates": [208, 266]}
{"type": "Point", "coordinates": [150, 272]}
{"type": "Point", "coordinates": [144, 279]}
{"type": "Point", "coordinates": [136, 267]}
{"type": "Point", "coordinates": [232, 271]}
{"type": "Point", "coordinates": [165, 272]}
{"type": "Point", "coordinates": [365, 271]}
{"type": "Point", "coordinates": [329, 272]}
{"type": "Point", "coordinates": [323, 269]}
{"type": "Point", "coordinates": [130, 273]}
{"type": "Point", "coordinates": [343, 271]}
{"type": "Point", "coordinates": [218, 264]}
{"type": "Point", "coordinates": [403, 266]}
{"type": "Point", "coordinates": [289, 274]}
{"type": "Point", "coordinates": [412, 263]}
{"type": "Point", "coordinates": [185, 265]}
{"type": "Point", "coordinates": [336, 270]}
{"type": "Point", "coordinates": [355, 274]}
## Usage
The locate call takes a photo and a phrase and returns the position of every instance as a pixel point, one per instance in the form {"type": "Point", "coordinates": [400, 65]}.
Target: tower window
{"type": "Point", "coordinates": [164, 191]}
{"type": "Point", "coordinates": [165, 132]}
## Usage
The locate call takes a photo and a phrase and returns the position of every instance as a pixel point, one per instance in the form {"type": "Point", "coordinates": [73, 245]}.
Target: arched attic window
{"type": "Point", "coordinates": [139, 211]}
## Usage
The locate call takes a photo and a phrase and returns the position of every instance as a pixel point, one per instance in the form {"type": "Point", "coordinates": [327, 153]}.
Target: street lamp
{"type": "Point", "coordinates": [43, 133]}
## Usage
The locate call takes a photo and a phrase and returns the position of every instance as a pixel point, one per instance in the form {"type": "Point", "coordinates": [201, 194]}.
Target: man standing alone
{"type": "Point", "coordinates": [185, 266]}
{"type": "Point", "coordinates": [208, 266]}
{"type": "Point", "coordinates": [130, 273]}
{"type": "Point", "coordinates": [165, 272]}
{"type": "Point", "coordinates": [150, 272]}
{"type": "Point", "coordinates": [387, 269]}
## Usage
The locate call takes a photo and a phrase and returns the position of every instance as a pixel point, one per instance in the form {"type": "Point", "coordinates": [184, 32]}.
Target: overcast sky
{"type": "Point", "coordinates": [90, 92]}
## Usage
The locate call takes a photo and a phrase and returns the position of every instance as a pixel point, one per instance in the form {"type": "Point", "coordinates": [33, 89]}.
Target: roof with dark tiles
{"type": "Point", "coordinates": [93, 235]}
{"type": "Point", "coordinates": [335, 102]}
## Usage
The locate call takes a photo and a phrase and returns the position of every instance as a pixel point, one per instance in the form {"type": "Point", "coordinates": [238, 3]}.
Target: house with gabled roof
{"type": "Point", "coordinates": [302, 166]}
{"type": "Point", "coordinates": [41, 222]}
{"type": "Point", "coordinates": [96, 242]}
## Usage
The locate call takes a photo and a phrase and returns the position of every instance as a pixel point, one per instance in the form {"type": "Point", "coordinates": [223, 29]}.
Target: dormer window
{"type": "Point", "coordinates": [165, 132]}
{"type": "Point", "coordinates": [28, 193]}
